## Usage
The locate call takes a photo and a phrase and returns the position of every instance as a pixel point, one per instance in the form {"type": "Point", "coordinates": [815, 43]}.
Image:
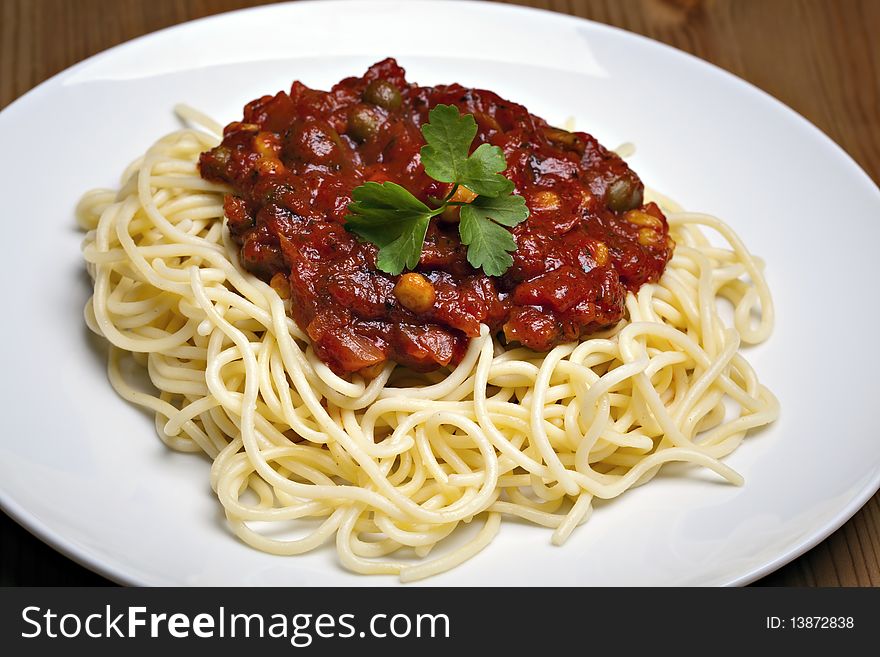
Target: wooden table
{"type": "Point", "coordinates": [819, 56]}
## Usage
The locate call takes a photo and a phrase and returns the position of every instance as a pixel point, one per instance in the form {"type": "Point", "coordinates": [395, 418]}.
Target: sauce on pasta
{"type": "Point", "coordinates": [295, 158]}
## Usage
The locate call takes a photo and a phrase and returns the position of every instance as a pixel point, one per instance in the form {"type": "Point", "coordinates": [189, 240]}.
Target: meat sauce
{"type": "Point", "coordinates": [294, 159]}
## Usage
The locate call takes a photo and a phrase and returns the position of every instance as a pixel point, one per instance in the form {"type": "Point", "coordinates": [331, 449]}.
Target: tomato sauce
{"type": "Point", "coordinates": [295, 157]}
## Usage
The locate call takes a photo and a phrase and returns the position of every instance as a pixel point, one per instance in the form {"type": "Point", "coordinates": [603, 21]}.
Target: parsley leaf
{"type": "Point", "coordinates": [448, 136]}
{"type": "Point", "coordinates": [507, 210]}
{"type": "Point", "coordinates": [481, 172]}
{"type": "Point", "coordinates": [390, 217]}
{"type": "Point", "coordinates": [393, 219]}
{"type": "Point", "coordinates": [404, 252]}
{"type": "Point", "coordinates": [488, 242]}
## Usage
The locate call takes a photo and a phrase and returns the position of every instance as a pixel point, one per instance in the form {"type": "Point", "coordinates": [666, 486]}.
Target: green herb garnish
{"type": "Point", "coordinates": [393, 219]}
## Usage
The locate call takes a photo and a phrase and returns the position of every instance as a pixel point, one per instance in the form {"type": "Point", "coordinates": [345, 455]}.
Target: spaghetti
{"type": "Point", "coordinates": [390, 467]}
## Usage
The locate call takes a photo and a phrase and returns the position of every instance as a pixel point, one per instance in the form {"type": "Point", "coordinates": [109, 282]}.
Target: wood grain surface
{"type": "Point", "coordinates": [820, 57]}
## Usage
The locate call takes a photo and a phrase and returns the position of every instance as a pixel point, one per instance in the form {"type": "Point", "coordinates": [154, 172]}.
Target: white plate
{"type": "Point", "coordinates": [84, 470]}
